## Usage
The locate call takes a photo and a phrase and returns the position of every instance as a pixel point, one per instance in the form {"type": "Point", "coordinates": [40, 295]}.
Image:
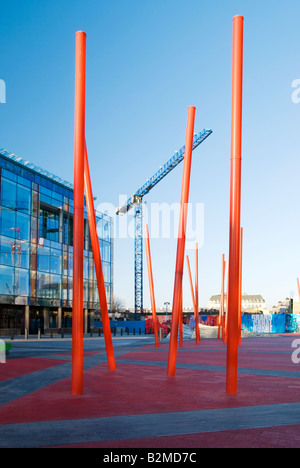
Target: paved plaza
{"type": "Point", "coordinates": [138, 406]}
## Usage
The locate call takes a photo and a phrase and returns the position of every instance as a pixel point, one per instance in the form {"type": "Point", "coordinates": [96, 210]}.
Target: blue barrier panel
{"type": "Point", "coordinates": [130, 324]}
{"type": "Point", "coordinates": [273, 323]}
{"type": "Point", "coordinates": [292, 323]}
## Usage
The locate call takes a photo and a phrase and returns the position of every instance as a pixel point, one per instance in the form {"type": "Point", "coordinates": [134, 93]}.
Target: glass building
{"type": "Point", "coordinates": [36, 251]}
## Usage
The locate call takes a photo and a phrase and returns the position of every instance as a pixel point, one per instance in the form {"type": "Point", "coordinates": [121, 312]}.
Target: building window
{"type": "Point", "coordinates": [14, 281]}
{"type": "Point", "coordinates": [48, 286]}
{"type": "Point", "coordinates": [67, 230]}
{"type": "Point", "coordinates": [23, 199]}
{"type": "Point", "coordinates": [8, 193]}
{"type": "Point", "coordinates": [6, 280]}
{"type": "Point", "coordinates": [23, 226]}
{"type": "Point", "coordinates": [8, 222]}
{"type": "Point", "coordinates": [49, 224]}
{"type": "Point", "coordinates": [21, 286]}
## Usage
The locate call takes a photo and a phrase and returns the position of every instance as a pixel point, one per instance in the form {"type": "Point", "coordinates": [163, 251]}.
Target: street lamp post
{"type": "Point", "coordinates": [166, 304]}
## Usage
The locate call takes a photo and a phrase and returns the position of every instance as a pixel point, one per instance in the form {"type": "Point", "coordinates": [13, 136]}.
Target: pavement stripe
{"type": "Point", "coordinates": [54, 433]}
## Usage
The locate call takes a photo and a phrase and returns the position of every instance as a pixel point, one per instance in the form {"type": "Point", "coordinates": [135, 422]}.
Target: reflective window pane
{"type": "Point", "coordinates": [48, 224]}
{"type": "Point", "coordinates": [6, 256]}
{"type": "Point", "coordinates": [8, 193]}
{"type": "Point", "coordinates": [20, 253]}
{"type": "Point", "coordinates": [106, 271]}
{"type": "Point", "coordinates": [43, 285]}
{"type": "Point", "coordinates": [6, 280]}
{"type": "Point", "coordinates": [44, 259]}
{"type": "Point", "coordinates": [55, 261]}
{"type": "Point", "coordinates": [8, 222]}
{"type": "Point", "coordinates": [21, 285]}
{"type": "Point", "coordinates": [23, 199]}
{"type": "Point", "coordinates": [105, 253]}
{"type": "Point", "coordinates": [55, 286]}
{"type": "Point", "coordinates": [106, 230]}
{"type": "Point", "coordinates": [23, 226]}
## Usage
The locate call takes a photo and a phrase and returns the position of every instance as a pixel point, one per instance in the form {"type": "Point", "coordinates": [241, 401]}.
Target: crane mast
{"type": "Point", "coordinates": [136, 201]}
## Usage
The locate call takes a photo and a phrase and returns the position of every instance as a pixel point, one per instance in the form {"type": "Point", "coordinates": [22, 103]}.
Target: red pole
{"type": "Point", "coordinates": [151, 287]}
{"type": "Point", "coordinates": [198, 338]}
{"type": "Point", "coordinates": [241, 289]}
{"type": "Point", "coordinates": [98, 263]}
{"type": "Point", "coordinates": [235, 204]}
{"type": "Point", "coordinates": [298, 287]}
{"type": "Point", "coordinates": [181, 241]}
{"type": "Point", "coordinates": [78, 215]}
{"type": "Point", "coordinates": [221, 312]}
{"type": "Point", "coordinates": [192, 291]}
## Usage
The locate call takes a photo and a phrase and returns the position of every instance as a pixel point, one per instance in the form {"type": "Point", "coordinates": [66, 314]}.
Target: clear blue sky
{"type": "Point", "coordinates": [147, 61]}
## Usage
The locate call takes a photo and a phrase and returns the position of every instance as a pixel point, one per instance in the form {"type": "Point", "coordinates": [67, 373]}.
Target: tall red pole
{"type": "Point", "coordinates": [235, 206]}
{"type": "Point", "coordinates": [151, 286]}
{"type": "Point", "coordinates": [98, 263]}
{"type": "Point", "coordinates": [192, 291]}
{"type": "Point", "coordinates": [298, 287]}
{"type": "Point", "coordinates": [197, 293]}
{"type": "Point", "coordinates": [241, 289]}
{"type": "Point", "coordinates": [181, 241]}
{"type": "Point", "coordinates": [78, 215]}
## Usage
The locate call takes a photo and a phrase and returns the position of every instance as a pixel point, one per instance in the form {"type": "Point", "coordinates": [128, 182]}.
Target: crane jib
{"type": "Point", "coordinates": [161, 173]}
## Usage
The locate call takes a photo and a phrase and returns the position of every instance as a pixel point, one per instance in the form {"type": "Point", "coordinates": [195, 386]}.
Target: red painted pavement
{"type": "Point", "coordinates": [145, 389]}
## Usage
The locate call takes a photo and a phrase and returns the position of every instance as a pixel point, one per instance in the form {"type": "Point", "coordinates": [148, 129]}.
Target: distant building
{"type": "Point", "coordinates": [250, 303]}
{"type": "Point", "coordinates": [282, 307]}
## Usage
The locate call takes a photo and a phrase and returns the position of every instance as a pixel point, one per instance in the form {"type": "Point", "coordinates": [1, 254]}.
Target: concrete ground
{"type": "Point", "coordinates": [138, 406]}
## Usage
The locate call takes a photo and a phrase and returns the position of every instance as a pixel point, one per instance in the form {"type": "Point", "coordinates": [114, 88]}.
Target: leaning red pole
{"type": "Point", "coordinates": [98, 263]}
{"type": "Point", "coordinates": [78, 215]}
{"type": "Point", "coordinates": [181, 242]}
{"type": "Point", "coordinates": [235, 206]}
{"type": "Point", "coordinates": [151, 286]}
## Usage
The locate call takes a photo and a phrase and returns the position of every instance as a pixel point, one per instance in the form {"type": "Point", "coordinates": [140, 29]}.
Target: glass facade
{"type": "Point", "coordinates": [36, 243]}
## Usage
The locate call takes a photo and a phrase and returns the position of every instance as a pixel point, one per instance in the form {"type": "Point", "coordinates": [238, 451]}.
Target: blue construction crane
{"type": "Point", "coordinates": [136, 200]}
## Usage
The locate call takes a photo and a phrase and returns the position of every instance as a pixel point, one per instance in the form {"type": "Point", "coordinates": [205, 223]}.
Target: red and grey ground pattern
{"type": "Point", "coordinates": [138, 406]}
